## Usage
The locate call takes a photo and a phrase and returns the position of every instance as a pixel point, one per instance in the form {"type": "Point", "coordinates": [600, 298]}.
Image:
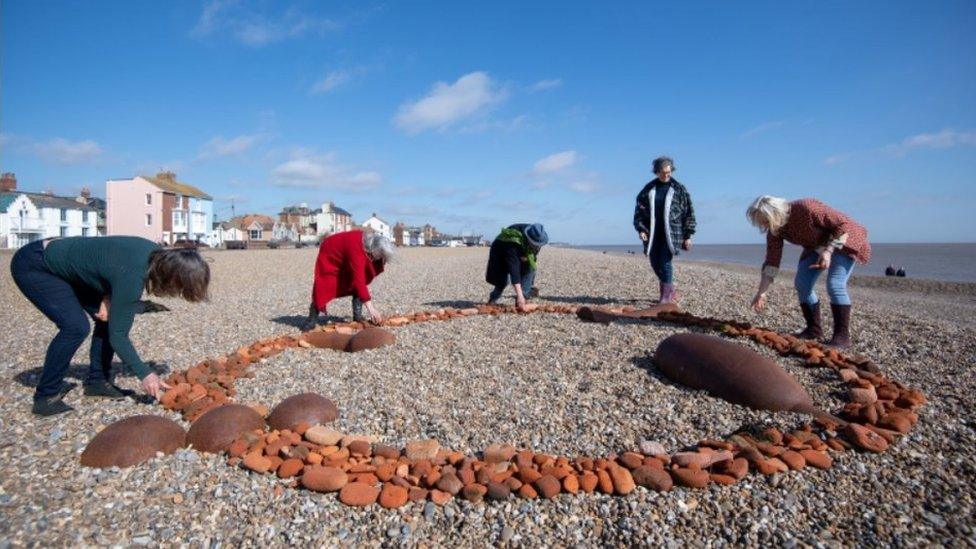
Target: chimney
{"type": "Point", "coordinates": [85, 192]}
{"type": "Point", "coordinates": [8, 182]}
{"type": "Point", "coordinates": [167, 176]}
{"type": "Point", "coordinates": [48, 191]}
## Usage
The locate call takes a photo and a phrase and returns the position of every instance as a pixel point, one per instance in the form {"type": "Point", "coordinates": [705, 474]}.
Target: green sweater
{"type": "Point", "coordinates": [114, 266]}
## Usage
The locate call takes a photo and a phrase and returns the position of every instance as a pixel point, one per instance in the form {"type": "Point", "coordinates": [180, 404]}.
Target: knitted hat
{"type": "Point", "coordinates": [536, 235]}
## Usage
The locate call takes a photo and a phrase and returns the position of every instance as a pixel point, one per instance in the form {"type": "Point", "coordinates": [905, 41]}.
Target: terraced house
{"type": "Point", "coordinates": [29, 216]}
{"type": "Point", "coordinates": [159, 208]}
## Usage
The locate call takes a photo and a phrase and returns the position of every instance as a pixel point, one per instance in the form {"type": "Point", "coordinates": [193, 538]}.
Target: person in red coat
{"type": "Point", "coordinates": [347, 263]}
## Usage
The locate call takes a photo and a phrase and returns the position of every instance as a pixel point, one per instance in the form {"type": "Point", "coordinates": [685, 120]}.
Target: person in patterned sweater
{"type": "Point", "coordinates": [665, 221]}
{"type": "Point", "coordinates": [831, 242]}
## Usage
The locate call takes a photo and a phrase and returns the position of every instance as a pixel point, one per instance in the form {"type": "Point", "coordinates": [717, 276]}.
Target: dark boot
{"type": "Point", "coordinates": [357, 310]}
{"type": "Point", "coordinates": [50, 407]}
{"type": "Point", "coordinates": [312, 320]}
{"type": "Point", "coordinates": [811, 313]}
{"type": "Point", "coordinates": [842, 326]}
{"type": "Point", "coordinates": [105, 389]}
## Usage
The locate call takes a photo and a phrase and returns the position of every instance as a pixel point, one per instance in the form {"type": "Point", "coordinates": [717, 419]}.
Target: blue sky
{"type": "Point", "coordinates": [473, 117]}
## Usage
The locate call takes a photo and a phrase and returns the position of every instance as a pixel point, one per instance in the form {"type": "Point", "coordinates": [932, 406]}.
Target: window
{"type": "Point", "coordinates": [64, 230]}
{"type": "Point", "coordinates": [64, 215]}
{"type": "Point", "coordinates": [148, 199]}
{"type": "Point", "coordinates": [255, 234]}
{"type": "Point", "coordinates": [179, 218]}
{"type": "Point", "coordinates": [148, 218]}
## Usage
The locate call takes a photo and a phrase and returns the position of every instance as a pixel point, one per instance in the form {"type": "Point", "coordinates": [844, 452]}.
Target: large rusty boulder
{"type": "Point", "coordinates": [731, 372]}
{"type": "Point", "coordinates": [305, 407]}
{"type": "Point", "coordinates": [327, 340]}
{"type": "Point", "coordinates": [215, 430]}
{"type": "Point", "coordinates": [370, 338]}
{"type": "Point", "coordinates": [133, 440]}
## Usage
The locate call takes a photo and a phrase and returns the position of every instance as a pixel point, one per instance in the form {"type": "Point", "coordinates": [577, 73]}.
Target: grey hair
{"type": "Point", "coordinates": [768, 213]}
{"type": "Point", "coordinates": [378, 246]}
{"type": "Point", "coordinates": [662, 161]}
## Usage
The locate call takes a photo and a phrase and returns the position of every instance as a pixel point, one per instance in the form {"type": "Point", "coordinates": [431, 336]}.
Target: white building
{"type": "Point", "coordinates": [26, 217]}
{"type": "Point", "coordinates": [332, 219]}
{"type": "Point", "coordinates": [224, 232]}
{"type": "Point", "coordinates": [377, 225]}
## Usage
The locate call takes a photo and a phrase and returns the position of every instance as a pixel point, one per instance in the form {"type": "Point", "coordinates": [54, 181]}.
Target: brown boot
{"type": "Point", "coordinates": [842, 326]}
{"type": "Point", "coordinates": [811, 313]}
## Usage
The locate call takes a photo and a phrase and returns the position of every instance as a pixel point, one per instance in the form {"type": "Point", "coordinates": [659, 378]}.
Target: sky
{"type": "Point", "coordinates": [472, 116]}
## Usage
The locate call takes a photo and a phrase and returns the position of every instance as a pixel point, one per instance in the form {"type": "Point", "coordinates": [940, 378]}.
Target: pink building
{"type": "Point", "coordinates": [158, 208]}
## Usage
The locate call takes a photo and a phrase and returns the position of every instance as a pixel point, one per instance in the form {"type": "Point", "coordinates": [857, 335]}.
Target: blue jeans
{"type": "Point", "coordinates": [661, 257]}
{"type": "Point", "coordinates": [841, 266]}
{"type": "Point", "coordinates": [528, 277]}
{"type": "Point", "coordinates": [66, 306]}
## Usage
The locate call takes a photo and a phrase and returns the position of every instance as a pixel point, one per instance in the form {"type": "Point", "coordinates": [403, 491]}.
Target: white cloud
{"type": "Point", "coordinates": [57, 150]}
{"type": "Point", "coordinates": [762, 128]}
{"type": "Point", "coordinates": [944, 139]}
{"type": "Point", "coordinates": [219, 147]}
{"type": "Point", "coordinates": [562, 169]}
{"type": "Point", "coordinates": [408, 210]}
{"type": "Point", "coordinates": [331, 81]}
{"type": "Point", "coordinates": [584, 185]}
{"type": "Point", "coordinates": [446, 104]}
{"type": "Point", "coordinates": [322, 171]}
{"type": "Point", "coordinates": [554, 163]}
{"type": "Point", "coordinates": [255, 27]}
{"type": "Point", "coordinates": [546, 84]}
{"type": "Point", "coordinates": [941, 140]}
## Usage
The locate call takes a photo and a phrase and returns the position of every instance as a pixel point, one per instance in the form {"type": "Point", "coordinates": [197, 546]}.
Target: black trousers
{"type": "Point", "coordinates": [68, 307]}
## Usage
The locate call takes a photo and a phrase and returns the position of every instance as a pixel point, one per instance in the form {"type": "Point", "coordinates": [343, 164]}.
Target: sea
{"type": "Point", "coordinates": [945, 262]}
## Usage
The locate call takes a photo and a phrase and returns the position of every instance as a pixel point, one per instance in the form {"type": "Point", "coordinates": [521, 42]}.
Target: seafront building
{"type": "Point", "coordinates": [377, 225]}
{"type": "Point", "coordinates": [160, 209]}
{"type": "Point", "coordinates": [332, 219]}
{"type": "Point", "coordinates": [29, 216]}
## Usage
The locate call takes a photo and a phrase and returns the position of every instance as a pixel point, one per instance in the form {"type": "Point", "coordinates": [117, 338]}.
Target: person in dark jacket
{"type": "Point", "coordinates": [512, 258]}
{"type": "Point", "coordinates": [665, 221]}
{"type": "Point", "coordinates": [104, 277]}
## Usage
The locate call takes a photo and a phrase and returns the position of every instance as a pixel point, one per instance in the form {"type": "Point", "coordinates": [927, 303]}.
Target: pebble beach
{"type": "Point", "coordinates": [549, 382]}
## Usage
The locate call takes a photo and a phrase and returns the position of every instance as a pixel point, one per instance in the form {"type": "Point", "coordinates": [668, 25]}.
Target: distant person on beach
{"type": "Point", "coordinates": [831, 242]}
{"type": "Point", "coordinates": [665, 221]}
{"type": "Point", "coordinates": [512, 258]}
{"type": "Point", "coordinates": [104, 277]}
{"type": "Point", "coordinates": [347, 263]}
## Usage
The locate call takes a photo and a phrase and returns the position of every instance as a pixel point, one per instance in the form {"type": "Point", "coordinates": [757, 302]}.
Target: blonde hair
{"type": "Point", "coordinates": [768, 213]}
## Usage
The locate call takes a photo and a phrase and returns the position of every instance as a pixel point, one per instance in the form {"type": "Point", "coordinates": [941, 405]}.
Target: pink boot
{"type": "Point", "coordinates": [667, 292]}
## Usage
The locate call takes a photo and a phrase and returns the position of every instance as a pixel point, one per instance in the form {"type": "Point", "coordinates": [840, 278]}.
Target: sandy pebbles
{"type": "Point", "coordinates": [557, 384]}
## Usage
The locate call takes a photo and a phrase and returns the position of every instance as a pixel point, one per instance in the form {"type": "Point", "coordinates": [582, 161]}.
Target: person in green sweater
{"type": "Point", "coordinates": [69, 279]}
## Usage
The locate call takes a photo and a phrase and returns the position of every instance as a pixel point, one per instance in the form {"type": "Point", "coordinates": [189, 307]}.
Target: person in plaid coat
{"type": "Point", "coordinates": [665, 221]}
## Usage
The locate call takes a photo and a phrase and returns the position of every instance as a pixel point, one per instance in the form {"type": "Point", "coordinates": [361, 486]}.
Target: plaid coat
{"type": "Point", "coordinates": [681, 214]}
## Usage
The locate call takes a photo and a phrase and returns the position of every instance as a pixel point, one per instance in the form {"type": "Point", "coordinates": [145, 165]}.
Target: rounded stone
{"type": "Point", "coordinates": [370, 338]}
{"type": "Point", "coordinates": [358, 494]}
{"type": "Point", "coordinates": [692, 478]}
{"type": "Point", "coordinates": [328, 340]}
{"type": "Point", "coordinates": [324, 479]}
{"type": "Point", "coordinates": [732, 372]}
{"type": "Point", "coordinates": [653, 478]}
{"type": "Point", "coordinates": [217, 429]}
{"type": "Point", "coordinates": [133, 440]}
{"type": "Point", "coordinates": [393, 496]}
{"type": "Point", "coordinates": [310, 408]}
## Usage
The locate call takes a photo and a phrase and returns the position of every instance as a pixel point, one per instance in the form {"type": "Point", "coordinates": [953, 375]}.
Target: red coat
{"type": "Point", "coordinates": [343, 269]}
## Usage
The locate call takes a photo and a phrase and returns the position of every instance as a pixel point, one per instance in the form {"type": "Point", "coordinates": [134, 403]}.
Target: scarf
{"type": "Point", "coordinates": [515, 236]}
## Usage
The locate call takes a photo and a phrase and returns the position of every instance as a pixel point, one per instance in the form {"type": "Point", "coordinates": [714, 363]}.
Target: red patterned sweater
{"type": "Point", "coordinates": [814, 225]}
